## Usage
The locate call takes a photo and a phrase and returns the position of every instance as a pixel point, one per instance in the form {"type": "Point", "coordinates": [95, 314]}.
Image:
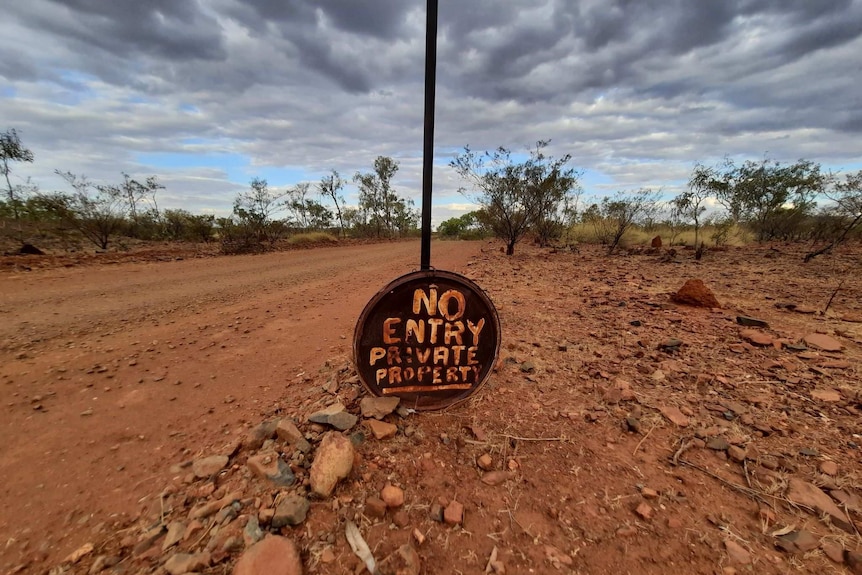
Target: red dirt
{"type": "Point", "coordinates": [111, 375]}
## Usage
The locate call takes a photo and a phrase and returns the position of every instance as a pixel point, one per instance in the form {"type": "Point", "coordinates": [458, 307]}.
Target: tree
{"type": "Point", "coordinates": [134, 193]}
{"type": "Point", "coordinates": [256, 209]}
{"type": "Point", "coordinates": [329, 187]}
{"type": "Point", "coordinates": [376, 197]}
{"type": "Point", "coordinates": [773, 199]}
{"type": "Point", "coordinates": [847, 196]}
{"type": "Point", "coordinates": [517, 197]}
{"type": "Point", "coordinates": [12, 150]}
{"type": "Point", "coordinates": [309, 213]}
{"type": "Point", "coordinates": [97, 212]}
{"type": "Point", "coordinates": [624, 210]}
{"type": "Point", "coordinates": [690, 205]}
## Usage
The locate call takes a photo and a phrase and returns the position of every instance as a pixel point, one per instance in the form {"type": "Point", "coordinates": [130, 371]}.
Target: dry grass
{"type": "Point", "coordinates": [311, 238]}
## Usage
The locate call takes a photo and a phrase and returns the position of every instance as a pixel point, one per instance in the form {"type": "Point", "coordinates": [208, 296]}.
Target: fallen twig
{"type": "Point", "coordinates": [515, 437]}
{"type": "Point", "coordinates": [638, 446]}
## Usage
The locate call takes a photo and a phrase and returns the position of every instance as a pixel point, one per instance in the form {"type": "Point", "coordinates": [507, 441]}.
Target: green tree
{"type": "Point", "coordinates": [97, 212]}
{"type": "Point", "coordinates": [846, 211]}
{"type": "Point", "coordinates": [622, 211]}
{"type": "Point", "coordinates": [329, 187]}
{"type": "Point", "coordinates": [376, 197]}
{"type": "Point", "coordinates": [518, 197]}
{"type": "Point", "coordinates": [773, 199]}
{"type": "Point", "coordinates": [690, 205]}
{"type": "Point", "coordinates": [255, 210]}
{"type": "Point", "coordinates": [12, 150]}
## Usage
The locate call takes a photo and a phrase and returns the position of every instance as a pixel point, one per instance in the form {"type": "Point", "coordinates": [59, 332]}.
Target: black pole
{"type": "Point", "coordinates": [428, 149]}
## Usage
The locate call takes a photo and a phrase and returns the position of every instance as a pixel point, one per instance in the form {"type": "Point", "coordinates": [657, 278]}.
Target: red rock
{"type": "Point", "coordinates": [375, 507]}
{"type": "Point", "coordinates": [810, 496]}
{"type": "Point", "coordinates": [737, 554]}
{"type": "Point", "coordinates": [829, 467]}
{"type": "Point", "coordinates": [674, 415]}
{"type": "Point", "coordinates": [485, 462]}
{"type": "Point", "coordinates": [381, 429]}
{"type": "Point", "coordinates": [497, 477]}
{"type": "Point", "coordinates": [273, 556]}
{"type": "Point", "coordinates": [392, 495]}
{"type": "Point", "coordinates": [181, 563]}
{"type": "Point", "coordinates": [332, 463]}
{"type": "Point", "coordinates": [454, 513]}
{"type": "Point", "coordinates": [695, 293]}
{"type": "Point", "coordinates": [822, 341]}
{"type": "Point", "coordinates": [755, 337]}
{"type": "Point", "coordinates": [645, 511]}
{"type": "Point", "coordinates": [656, 242]}
{"type": "Point", "coordinates": [209, 466]}
{"type": "Point", "coordinates": [827, 395]}
{"type": "Point", "coordinates": [834, 551]}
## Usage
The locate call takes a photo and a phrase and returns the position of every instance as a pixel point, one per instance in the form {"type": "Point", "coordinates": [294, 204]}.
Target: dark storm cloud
{"type": "Point", "coordinates": [175, 29]}
{"type": "Point", "coordinates": [631, 88]}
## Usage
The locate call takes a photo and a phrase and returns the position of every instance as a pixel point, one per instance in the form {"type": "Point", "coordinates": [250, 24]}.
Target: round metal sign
{"type": "Point", "coordinates": [429, 337]}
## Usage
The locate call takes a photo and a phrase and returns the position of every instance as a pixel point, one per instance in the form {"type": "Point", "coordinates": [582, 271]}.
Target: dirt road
{"type": "Point", "coordinates": [108, 375]}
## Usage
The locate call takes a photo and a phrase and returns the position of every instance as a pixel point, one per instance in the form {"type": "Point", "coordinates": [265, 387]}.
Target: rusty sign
{"type": "Point", "coordinates": [430, 337]}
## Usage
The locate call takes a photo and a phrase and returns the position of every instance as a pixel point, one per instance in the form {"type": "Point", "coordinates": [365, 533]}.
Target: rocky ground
{"type": "Point", "coordinates": [626, 429]}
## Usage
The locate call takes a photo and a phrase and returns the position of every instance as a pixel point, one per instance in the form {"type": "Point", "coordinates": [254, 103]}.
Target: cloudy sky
{"type": "Point", "coordinates": [207, 94]}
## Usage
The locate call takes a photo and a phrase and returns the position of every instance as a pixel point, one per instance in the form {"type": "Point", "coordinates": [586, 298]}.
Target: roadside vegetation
{"type": "Point", "coordinates": [519, 196]}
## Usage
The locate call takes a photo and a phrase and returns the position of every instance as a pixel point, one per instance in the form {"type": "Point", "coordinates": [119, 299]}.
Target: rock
{"type": "Point", "coordinates": [829, 468]}
{"type": "Point", "coordinates": [287, 431]}
{"type": "Point", "coordinates": [102, 562]}
{"type": "Point", "coordinates": [378, 407]}
{"type": "Point", "coordinates": [270, 466]}
{"type": "Point", "coordinates": [79, 553]}
{"type": "Point", "coordinates": [826, 395]}
{"type": "Point", "coordinates": [181, 563]}
{"type": "Point", "coordinates": [797, 542]}
{"type": "Point", "coordinates": [292, 510]}
{"type": "Point", "coordinates": [833, 550]}
{"type": "Point", "coordinates": [454, 513]}
{"type": "Point", "coordinates": [273, 556]}
{"type": "Point", "coordinates": [656, 242]}
{"type": "Point", "coordinates": [853, 559]}
{"type": "Point", "coordinates": [557, 557]}
{"type": "Point", "coordinates": [675, 416]}
{"type": "Point", "coordinates": [808, 495]}
{"type": "Point", "coordinates": [670, 345]}
{"type": "Point", "coordinates": [176, 531]}
{"type": "Point", "coordinates": [209, 466]}
{"type": "Point", "coordinates": [405, 561]}
{"type": "Point", "coordinates": [644, 511]}
{"type": "Point", "coordinates": [737, 554]}
{"type": "Point", "coordinates": [401, 518]}
{"type": "Point", "coordinates": [392, 495]}
{"type": "Point", "coordinates": [695, 293]}
{"type": "Point", "coordinates": [254, 439]}
{"type": "Point", "coordinates": [332, 463]}
{"type": "Point", "coordinates": [327, 556]}
{"type": "Point", "coordinates": [649, 493]}
{"type": "Point", "coordinates": [252, 533]}
{"type": "Point", "coordinates": [381, 429]}
{"type": "Point", "coordinates": [497, 477]}
{"type": "Point", "coordinates": [755, 337]}
{"type": "Point", "coordinates": [736, 453]}
{"type": "Point", "coordinates": [718, 444]}
{"type": "Point", "coordinates": [485, 462]}
{"type": "Point", "coordinates": [335, 416]}
{"type": "Point", "coordinates": [822, 342]}
{"type": "Point", "coordinates": [375, 507]}
{"type": "Point", "coordinates": [751, 322]}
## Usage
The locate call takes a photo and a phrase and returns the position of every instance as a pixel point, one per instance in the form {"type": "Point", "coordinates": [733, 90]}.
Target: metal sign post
{"type": "Point", "coordinates": [430, 337]}
{"type": "Point", "coordinates": [428, 147]}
